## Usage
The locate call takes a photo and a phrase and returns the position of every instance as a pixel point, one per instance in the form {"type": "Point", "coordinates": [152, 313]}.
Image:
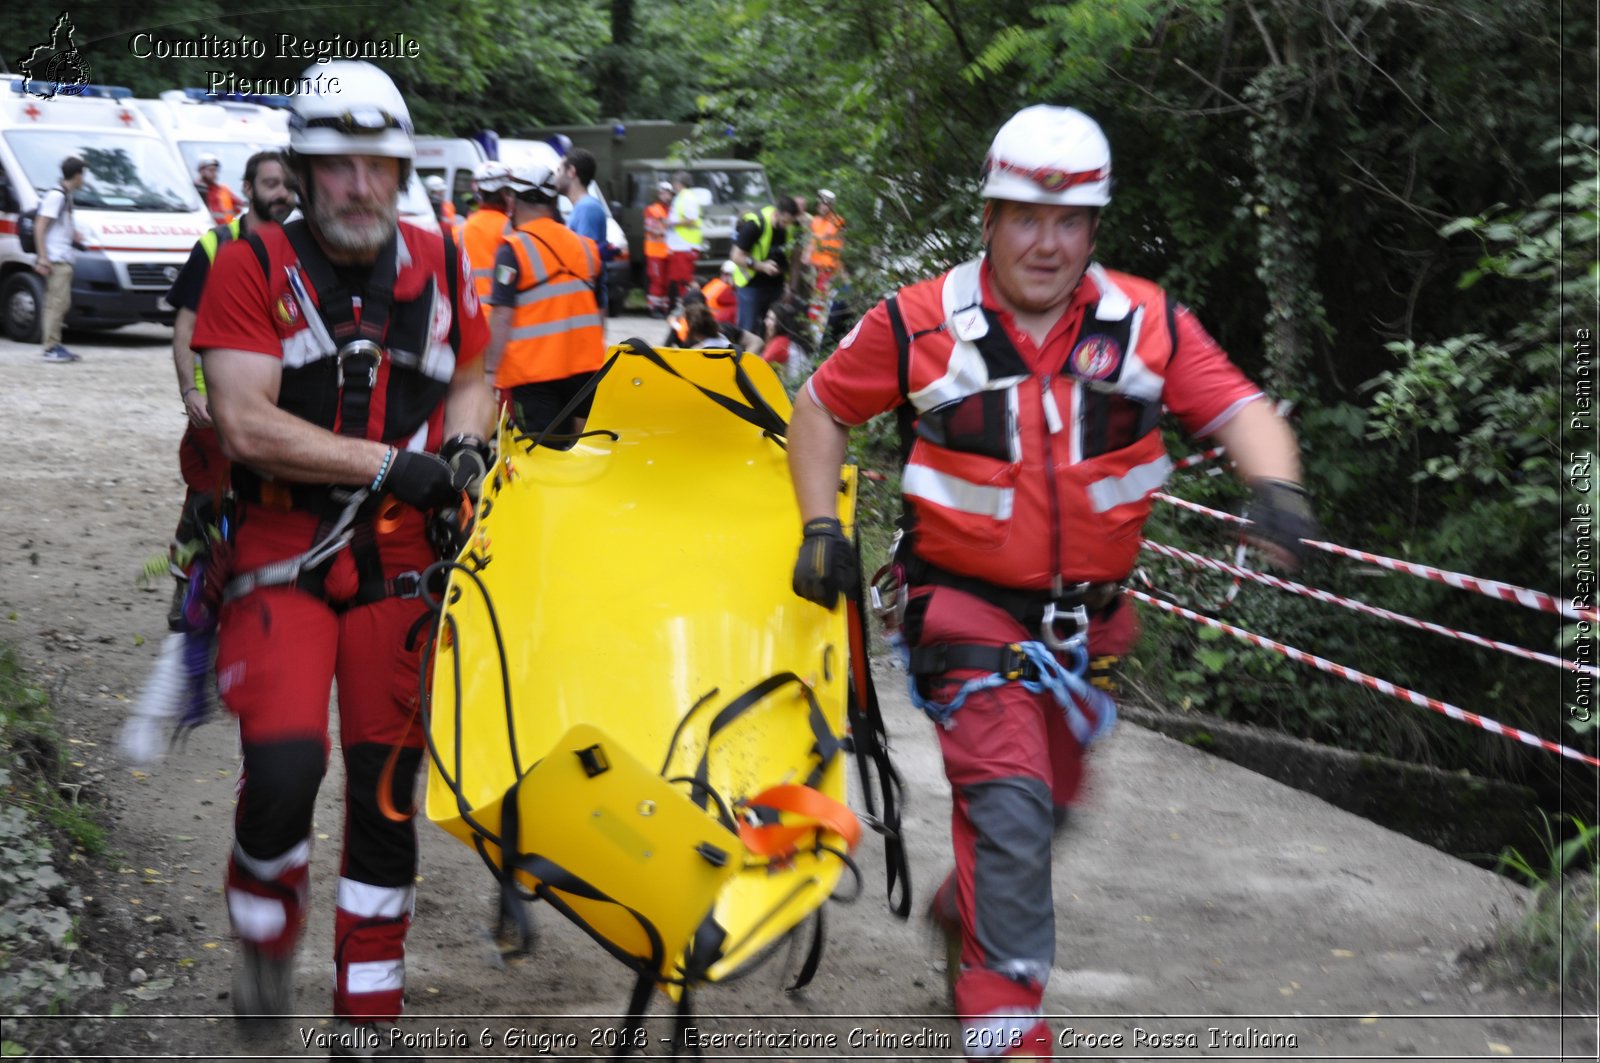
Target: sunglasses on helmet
{"type": "Point", "coordinates": [1048, 178]}
{"type": "Point", "coordinates": [360, 121]}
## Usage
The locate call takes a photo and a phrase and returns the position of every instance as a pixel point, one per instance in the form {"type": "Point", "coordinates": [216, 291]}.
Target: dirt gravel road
{"type": "Point", "coordinates": [1203, 910]}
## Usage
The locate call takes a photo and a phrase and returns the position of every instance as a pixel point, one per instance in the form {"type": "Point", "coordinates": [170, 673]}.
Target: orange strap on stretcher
{"type": "Point", "coordinates": [800, 810]}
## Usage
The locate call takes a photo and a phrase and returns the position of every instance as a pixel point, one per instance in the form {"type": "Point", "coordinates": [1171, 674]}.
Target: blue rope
{"type": "Point", "coordinates": [1066, 685]}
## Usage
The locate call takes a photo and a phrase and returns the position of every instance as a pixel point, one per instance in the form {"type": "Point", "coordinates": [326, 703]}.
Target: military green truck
{"type": "Point", "coordinates": [633, 157]}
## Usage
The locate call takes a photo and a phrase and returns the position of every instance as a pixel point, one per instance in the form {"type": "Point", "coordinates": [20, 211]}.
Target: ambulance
{"type": "Point", "coordinates": [451, 159]}
{"type": "Point", "coordinates": [233, 128]}
{"type": "Point", "coordinates": [197, 124]}
{"type": "Point", "coordinates": [137, 211]}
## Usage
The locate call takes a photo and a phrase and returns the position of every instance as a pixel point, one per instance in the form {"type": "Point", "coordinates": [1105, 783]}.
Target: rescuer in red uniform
{"type": "Point", "coordinates": [343, 355]}
{"type": "Point", "coordinates": [1034, 378]}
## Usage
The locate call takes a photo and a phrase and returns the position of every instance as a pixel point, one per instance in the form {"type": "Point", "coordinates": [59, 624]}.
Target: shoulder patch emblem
{"type": "Point", "coordinates": [1095, 358]}
{"type": "Point", "coordinates": [288, 309]}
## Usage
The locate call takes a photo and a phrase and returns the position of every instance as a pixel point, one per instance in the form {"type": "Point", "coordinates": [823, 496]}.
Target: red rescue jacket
{"type": "Point", "coordinates": [1020, 478]}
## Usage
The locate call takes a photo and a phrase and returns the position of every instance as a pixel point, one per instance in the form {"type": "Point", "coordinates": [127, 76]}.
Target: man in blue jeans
{"type": "Point", "coordinates": [761, 261]}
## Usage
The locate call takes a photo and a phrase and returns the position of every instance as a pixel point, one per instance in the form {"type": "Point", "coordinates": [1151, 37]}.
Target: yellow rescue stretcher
{"type": "Point", "coordinates": [632, 715]}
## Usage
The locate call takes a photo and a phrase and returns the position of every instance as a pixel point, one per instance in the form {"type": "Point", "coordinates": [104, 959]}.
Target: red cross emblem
{"type": "Point", "coordinates": [32, 112]}
{"type": "Point", "coordinates": [126, 116]}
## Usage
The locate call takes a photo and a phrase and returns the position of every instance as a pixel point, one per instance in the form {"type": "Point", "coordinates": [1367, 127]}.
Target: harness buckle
{"type": "Point", "coordinates": [407, 585]}
{"type": "Point", "coordinates": [1016, 665]}
{"type": "Point", "coordinates": [366, 355]}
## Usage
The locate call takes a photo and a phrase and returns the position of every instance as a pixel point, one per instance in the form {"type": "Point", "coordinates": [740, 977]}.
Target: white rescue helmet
{"type": "Point", "coordinates": [365, 115]}
{"type": "Point", "coordinates": [489, 176]}
{"type": "Point", "coordinates": [534, 172]}
{"type": "Point", "coordinates": [1046, 154]}
{"type": "Point", "coordinates": [207, 159]}
{"type": "Point", "coordinates": [433, 183]}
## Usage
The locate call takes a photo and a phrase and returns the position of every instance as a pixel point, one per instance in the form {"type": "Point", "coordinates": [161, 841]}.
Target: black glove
{"type": "Point", "coordinates": [421, 480]}
{"type": "Point", "coordinates": [468, 458]}
{"type": "Point", "coordinates": [1280, 516]}
{"type": "Point", "coordinates": [827, 566]}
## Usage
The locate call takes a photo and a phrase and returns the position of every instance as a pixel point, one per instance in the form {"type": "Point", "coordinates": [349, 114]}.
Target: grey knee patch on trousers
{"type": "Point", "coordinates": [1014, 909]}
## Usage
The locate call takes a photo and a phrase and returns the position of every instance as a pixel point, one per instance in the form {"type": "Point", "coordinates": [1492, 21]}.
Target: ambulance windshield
{"type": "Point", "coordinates": [133, 173]}
{"type": "Point", "coordinates": [232, 155]}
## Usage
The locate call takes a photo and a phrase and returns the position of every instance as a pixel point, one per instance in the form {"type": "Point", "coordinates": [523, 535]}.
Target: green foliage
{"type": "Point", "coordinates": [1556, 941]}
{"type": "Point", "coordinates": [39, 909]}
{"type": "Point", "coordinates": [504, 65]}
{"type": "Point", "coordinates": [1455, 462]}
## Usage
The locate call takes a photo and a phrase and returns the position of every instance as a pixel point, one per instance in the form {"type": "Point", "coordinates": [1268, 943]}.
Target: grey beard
{"type": "Point", "coordinates": [355, 239]}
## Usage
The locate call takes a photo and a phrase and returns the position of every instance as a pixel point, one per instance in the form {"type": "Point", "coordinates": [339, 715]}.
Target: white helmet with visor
{"type": "Point", "coordinates": [365, 115]}
{"type": "Point", "coordinates": [1054, 155]}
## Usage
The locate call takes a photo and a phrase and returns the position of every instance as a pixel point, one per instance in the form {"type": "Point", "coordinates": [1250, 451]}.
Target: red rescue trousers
{"type": "Point", "coordinates": [655, 271]}
{"type": "Point", "coordinates": [280, 651]}
{"type": "Point", "coordinates": [680, 274]}
{"type": "Point", "coordinates": [1014, 769]}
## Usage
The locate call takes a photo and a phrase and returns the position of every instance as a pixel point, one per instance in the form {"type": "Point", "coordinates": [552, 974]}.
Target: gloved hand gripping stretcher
{"type": "Point", "coordinates": [632, 715]}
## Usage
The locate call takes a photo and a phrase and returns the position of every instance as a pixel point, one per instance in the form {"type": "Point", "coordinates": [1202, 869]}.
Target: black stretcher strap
{"type": "Point", "coordinates": [869, 737]}
{"type": "Point", "coordinates": [759, 412]}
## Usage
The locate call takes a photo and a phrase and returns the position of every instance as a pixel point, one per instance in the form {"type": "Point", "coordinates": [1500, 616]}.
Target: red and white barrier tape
{"type": "Point", "coordinates": [1198, 459]}
{"type": "Point", "coordinates": [1195, 507]}
{"type": "Point", "coordinates": [1292, 587]}
{"type": "Point", "coordinates": [1381, 685]}
{"type": "Point", "coordinates": [1490, 588]}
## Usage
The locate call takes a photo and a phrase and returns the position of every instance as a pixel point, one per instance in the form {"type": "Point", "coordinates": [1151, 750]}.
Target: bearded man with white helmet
{"type": "Point", "coordinates": [343, 354]}
{"type": "Point", "coordinates": [1029, 384]}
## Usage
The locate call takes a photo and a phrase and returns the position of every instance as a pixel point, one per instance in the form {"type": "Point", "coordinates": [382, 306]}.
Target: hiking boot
{"type": "Point", "coordinates": [369, 1040]}
{"type": "Point", "coordinates": [263, 985]}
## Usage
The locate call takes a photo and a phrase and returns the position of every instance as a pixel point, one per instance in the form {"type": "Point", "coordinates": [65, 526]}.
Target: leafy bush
{"type": "Point", "coordinates": [39, 909]}
{"type": "Point", "coordinates": [1557, 939]}
{"type": "Point", "coordinates": [1455, 462]}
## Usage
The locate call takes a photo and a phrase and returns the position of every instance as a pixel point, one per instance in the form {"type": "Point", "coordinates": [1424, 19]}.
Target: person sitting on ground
{"type": "Point", "coordinates": [786, 343]}
{"type": "Point", "coordinates": [702, 331]}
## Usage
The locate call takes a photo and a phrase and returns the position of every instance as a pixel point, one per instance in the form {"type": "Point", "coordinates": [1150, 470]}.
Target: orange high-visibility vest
{"type": "Point", "coordinates": [655, 246]}
{"type": "Point", "coordinates": [222, 203]}
{"type": "Point", "coordinates": [722, 298]}
{"type": "Point", "coordinates": [481, 236]}
{"type": "Point", "coordinates": [826, 242]}
{"type": "Point", "coordinates": [556, 330]}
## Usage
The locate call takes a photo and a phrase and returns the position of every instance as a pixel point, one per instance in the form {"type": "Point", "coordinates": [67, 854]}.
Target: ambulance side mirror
{"type": "Point", "coordinates": [8, 197]}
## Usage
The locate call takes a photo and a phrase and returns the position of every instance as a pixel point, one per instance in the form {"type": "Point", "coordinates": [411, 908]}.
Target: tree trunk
{"type": "Point", "coordinates": [615, 83]}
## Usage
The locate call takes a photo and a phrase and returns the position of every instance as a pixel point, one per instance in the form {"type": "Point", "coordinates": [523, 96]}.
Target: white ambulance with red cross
{"type": "Point", "coordinates": [137, 212]}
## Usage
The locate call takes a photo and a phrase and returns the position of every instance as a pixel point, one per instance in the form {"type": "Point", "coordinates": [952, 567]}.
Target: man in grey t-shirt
{"type": "Point", "coordinates": [53, 236]}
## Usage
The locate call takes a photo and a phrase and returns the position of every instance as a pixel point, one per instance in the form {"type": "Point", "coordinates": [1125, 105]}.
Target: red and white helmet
{"type": "Point", "coordinates": [364, 115]}
{"type": "Point", "coordinates": [535, 171]}
{"type": "Point", "coordinates": [1047, 154]}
